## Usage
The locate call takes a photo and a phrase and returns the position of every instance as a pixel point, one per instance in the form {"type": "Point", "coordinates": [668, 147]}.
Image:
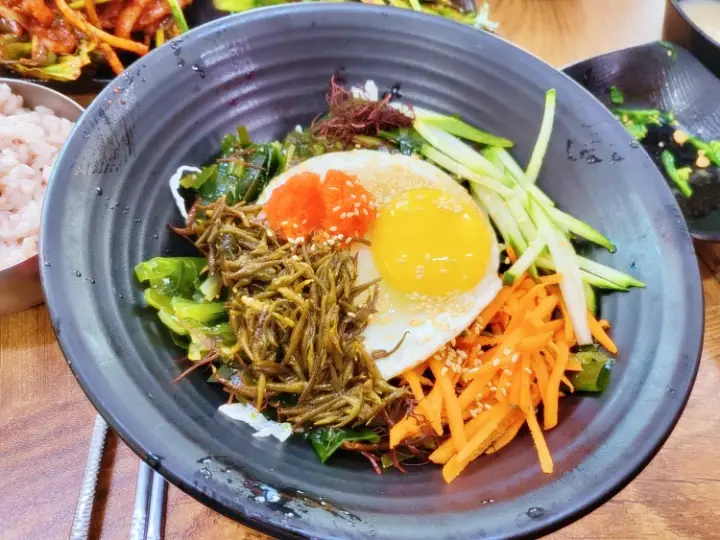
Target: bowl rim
{"type": "Point", "coordinates": [535, 528]}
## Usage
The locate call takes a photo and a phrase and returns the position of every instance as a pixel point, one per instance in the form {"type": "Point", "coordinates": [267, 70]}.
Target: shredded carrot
{"type": "Point", "coordinates": [550, 413]}
{"type": "Point", "coordinates": [525, 398]}
{"type": "Point", "coordinates": [516, 387]}
{"type": "Point", "coordinates": [81, 24]}
{"type": "Point", "coordinates": [511, 254]}
{"type": "Point", "coordinates": [546, 463]}
{"type": "Point", "coordinates": [428, 412]}
{"type": "Point", "coordinates": [510, 433]}
{"type": "Point", "coordinates": [112, 58]}
{"type": "Point", "coordinates": [492, 420]}
{"type": "Point", "coordinates": [540, 370]}
{"type": "Point", "coordinates": [599, 334]}
{"type": "Point", "coordinates": [534, 343]}
{"type": "Point", "coordinates": [452, 407]}
{"type": "Point", "coordinates": [515, 357]}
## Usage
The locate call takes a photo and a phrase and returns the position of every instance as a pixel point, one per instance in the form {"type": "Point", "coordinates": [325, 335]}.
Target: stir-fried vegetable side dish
{"type": "Point", "coordinates": [55, 39]}
{"type": "Point", "coordinates": [448, 9]}
{"type": "Point", "coordinates": [351, 287]}
{"type": "Point", "coordinates": [690, 162]}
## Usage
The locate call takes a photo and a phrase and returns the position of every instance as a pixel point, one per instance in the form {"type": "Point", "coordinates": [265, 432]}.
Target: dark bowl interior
{"type": "Point", "coordinates": [668, 77]}
{"type": "Point", "coordinates": [269, 69]}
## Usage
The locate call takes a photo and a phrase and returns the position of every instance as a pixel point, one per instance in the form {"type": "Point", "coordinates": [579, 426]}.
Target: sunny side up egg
{"type": "Point", "coordinates": [433, 248]}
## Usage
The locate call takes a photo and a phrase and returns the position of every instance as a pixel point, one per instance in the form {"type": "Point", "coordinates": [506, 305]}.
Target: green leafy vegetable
{"type": "Point", "coordinates": [172, 276]}
{"type": "Point", "coordinates": [596, 373]}
{"type": "Point", "coordinates": [638, 131]}
{"type": "Point", "coordinates": [680, 177]}
{"type": "Point", "coordinates": [65, 67]}
{"type": "Point", "coordinates": [326, 441]}
{"type": "Point", "coordinates": [240, 174]}
{"type": "Point", "coordinates": [407, 140]}
{"type": "Point", "coordinates": [197, 311]}
{"type": "Point", "coordinates": [457, 127]}
{"type": "Point", "coordinates": [616, 96]}
{"type": "Point", "coordinates": [178, 15]}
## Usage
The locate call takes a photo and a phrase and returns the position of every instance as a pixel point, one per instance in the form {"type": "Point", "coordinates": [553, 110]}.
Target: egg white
{"type": "Point", "coordinates": [427, 324]}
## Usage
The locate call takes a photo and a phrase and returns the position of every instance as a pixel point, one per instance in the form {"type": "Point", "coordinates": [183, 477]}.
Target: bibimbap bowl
{"type": "Point", "coordinates": [269, 70]}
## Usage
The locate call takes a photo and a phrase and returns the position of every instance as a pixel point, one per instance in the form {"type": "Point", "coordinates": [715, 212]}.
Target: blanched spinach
{"type": "Point", "coordinates": [326, 441]}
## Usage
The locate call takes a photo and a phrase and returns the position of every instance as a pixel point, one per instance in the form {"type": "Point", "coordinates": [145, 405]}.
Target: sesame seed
{"type": "Point", "coordinates": [333, 188]}
{"type": "Point", "coordinates": [493, 388]}
{"type": "Point", "coordinates": [284, 223]}
{"type": "Point", "coordinates": [515, 358]}
{"type": "Point", "coordinates": [365, 211]}
{"type": "Point", "coordinates": [488, 406]}
{"type": "Point", "coordinates": [333, 228]}
{"type": "Point", "coordinates": [343, 215]}
{"type": "Point", "coordinates": [528, 371]}
{"type": "Point", "coordinates": [496, 362]}
{"type": "Point", "coordinates": [336, 209]}
{"type": "Point", "coordinates": [348, 183]}
{"type": "Point", "coordinates": [270, 234]}
{"type": "Point", "coordinates": [295, 225]}
{"type": "Point", "coordinates": [503, 391]}
{"type": "Point", "coordinates": [506, 371]}
{"type": "Point", "coordinates": [340, 236]}
{"type": "Point", "coordinates": [443, 371]}
{"type": "Point", "coordinates": [357, 205]}
{"type": "Point", "coordinates": [304, 222]}
{"type": "Point", "coordinates": [353, 196]}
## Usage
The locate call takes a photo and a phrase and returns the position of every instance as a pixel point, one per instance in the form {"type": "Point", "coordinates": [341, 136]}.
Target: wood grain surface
{"type": "Point", "coordinates": [46, 422]}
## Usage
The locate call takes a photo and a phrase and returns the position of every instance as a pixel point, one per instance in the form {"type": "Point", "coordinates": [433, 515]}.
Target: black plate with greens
{"type": "Point", "coordinates": [656, 90]}
{"type": "Point", "coordinates": [96, 76]}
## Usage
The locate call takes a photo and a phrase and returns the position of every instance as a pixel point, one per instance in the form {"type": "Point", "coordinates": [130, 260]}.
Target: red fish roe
{"type": "Point", "coordinates": [296, 208]}
{"type": "Point", "coordinates": [349, 207]}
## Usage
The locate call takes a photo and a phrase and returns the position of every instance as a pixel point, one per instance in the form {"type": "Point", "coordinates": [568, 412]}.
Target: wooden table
{"type": "Point", "coordinates": [45, 420]}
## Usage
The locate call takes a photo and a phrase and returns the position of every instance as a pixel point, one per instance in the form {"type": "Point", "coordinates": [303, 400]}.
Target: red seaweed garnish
{"type": "Point", "coordinates": [349, 116]}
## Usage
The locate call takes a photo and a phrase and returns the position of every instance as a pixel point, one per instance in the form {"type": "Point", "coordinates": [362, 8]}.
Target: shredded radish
{"type": "Point", "coordinates": [174, 183]}
{"type": "Point", "coordinates": [252, 417]}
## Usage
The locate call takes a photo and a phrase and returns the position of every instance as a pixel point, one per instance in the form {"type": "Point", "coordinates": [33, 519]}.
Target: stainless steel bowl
{"type": "Point", "coordinates": [20, 284]}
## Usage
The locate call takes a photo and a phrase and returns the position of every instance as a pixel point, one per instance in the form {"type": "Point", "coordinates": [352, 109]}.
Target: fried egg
{"type": "Point", "coordinates": [432, 247]}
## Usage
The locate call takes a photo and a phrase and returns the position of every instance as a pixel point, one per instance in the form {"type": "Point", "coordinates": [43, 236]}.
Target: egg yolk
{"type": "Point", "coordinates": [428, 243]}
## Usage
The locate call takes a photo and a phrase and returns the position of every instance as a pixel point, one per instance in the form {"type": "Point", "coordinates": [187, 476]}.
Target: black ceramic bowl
{"type": "Point", "coordinates": [269, 69]}
{"type": "Point", "coordinates": [680, 29]}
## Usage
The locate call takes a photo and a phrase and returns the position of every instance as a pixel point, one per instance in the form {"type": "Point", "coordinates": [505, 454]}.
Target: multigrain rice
{"type": "Point", "coordinates": [29, 143]}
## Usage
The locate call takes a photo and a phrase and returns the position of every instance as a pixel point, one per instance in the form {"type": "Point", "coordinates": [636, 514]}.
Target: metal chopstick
{"type": "Point", "coordinates": [83, 510]}
{"type": "Point", "coordinates": [156, 514]}
{"type": "Point", "coordinates": [140, 508]}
